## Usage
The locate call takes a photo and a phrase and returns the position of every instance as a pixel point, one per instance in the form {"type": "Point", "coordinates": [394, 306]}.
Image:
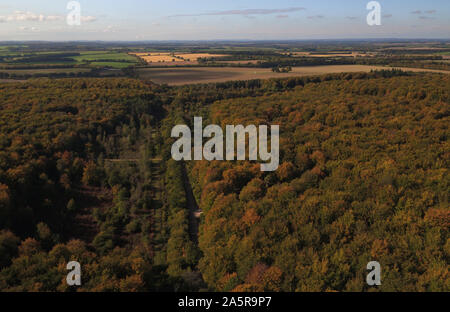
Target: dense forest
{"type": "Point", "coordinates": [67, 194]}
{"type": "Point", "coordinates": [363, 176]}
{"type": "Point", "coordinates": [86, 175]}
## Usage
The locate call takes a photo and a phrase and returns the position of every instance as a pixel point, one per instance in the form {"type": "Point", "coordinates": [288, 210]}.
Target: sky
{"type": "Point", "coordinates": [135, 20]}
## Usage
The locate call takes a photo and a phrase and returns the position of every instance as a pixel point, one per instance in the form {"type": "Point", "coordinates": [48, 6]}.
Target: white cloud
{"type": "Point", "coordinates": [52, 18]}
{"type": "Point", "coordinates": [22, 16]}
{"type": "Point", "coordinates": [426, 12]}
{"type": "Point", "coordinates": [246, 12]}
{"type": "Point", "coordinates": [25, 28]}
{"type": "Point", "coordinates": [316, 17]}
{"type": "Point", "coordinates": [110, 28]}
{"type": "Point", "coordinates": [88, 19]}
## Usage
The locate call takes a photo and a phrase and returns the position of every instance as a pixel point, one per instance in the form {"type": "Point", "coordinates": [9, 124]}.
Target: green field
{"type": "Point", "coordinates": [106, 59]}
{"type": "Point", "coordinates": [117, 65]}
{"type": "Point", "coordinates": [44, 71]}
{"type": "Point", "coordinates": [110, 59]}
{"type": "Point", "coordinates": [104, 55]}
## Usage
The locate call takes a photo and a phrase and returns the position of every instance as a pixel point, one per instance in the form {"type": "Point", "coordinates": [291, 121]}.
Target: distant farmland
{"type": "Point", "coordinates": [183, 76]}
{"type": "Point", "coordinates": [91, 59]}
{"type": "Point", "coordinates": [106, 59]}
{"type": "Point", "coordinates": [169, 59]}
{"type": "Point", "coordinates": [44, 71]}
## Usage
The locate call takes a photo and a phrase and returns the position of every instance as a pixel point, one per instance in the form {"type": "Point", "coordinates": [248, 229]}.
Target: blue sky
{"type": "Point", "coordinates": [233, 19]}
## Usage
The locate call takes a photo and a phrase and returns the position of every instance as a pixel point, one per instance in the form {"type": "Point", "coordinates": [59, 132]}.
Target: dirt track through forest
{"type": "Point", "coordinates": [192, 206]}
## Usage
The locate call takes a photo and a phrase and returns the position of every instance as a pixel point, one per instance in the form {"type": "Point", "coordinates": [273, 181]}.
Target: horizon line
{"type": "Point", "coordinates": [233, 40]}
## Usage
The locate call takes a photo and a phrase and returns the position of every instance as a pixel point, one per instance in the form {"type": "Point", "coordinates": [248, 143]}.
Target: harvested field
{"type": "Point", "coordinates": [309, 54]}
{"type": "Point", "coordinates": [183, 76]}
{"type": "Point", "coordinates": [156, 57]}
{"type": "Point", "coordinates": [425, 48]}
{"type": "Point", "coordinates": [196, 56]}
{"type": "Point", "coordinates": [168, 64]}
{"type": "Point", "coordinates": [161, 59]}
{"type": "Point", "coordinates": [171, 59]}
{"type": "Point", "coordinates": [243, 62]}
